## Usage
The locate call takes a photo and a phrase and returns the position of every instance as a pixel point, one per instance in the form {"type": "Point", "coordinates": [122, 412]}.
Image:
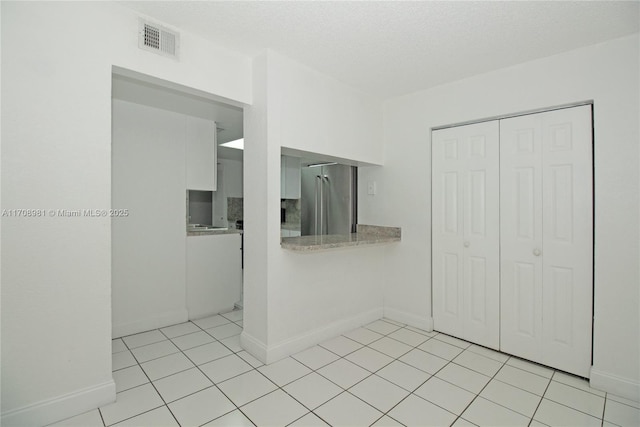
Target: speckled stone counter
{"type": "Point", "coordinates": [365, 235]}
{"type": "Point", "coordinates": [213, 231]}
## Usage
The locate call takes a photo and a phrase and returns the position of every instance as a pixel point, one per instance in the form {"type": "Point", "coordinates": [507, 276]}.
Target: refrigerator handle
{"type": "Point", "coordinates": [315, 217]}
{"type": "Point", "coordinates": [325, 205]}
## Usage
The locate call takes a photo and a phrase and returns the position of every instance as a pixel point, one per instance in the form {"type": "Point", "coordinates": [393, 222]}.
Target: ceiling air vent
{"type": "Point", "coordinates": [158, 39]}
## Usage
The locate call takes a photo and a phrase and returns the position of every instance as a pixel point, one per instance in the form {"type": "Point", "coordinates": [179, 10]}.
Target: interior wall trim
{"type": "Point", "coordinates": [316, 336]}
{"type": "Point", "coordinates": [253, 346]}
{"type": "Point", "coordinates": [156, 322]}
{"type": "Point", "coordinates": [420, 322]}
{"type": "Point", "coordinates": [611, 383]}
{"type": "Point", "coordinates": [518, 114]}
{"type": "Point", "coordinates": [61, 407]}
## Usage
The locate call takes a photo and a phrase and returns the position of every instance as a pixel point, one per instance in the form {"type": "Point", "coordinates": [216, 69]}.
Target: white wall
{"type": "Point", "coordinates": [312, 112]}
{"type": "Point", "coordinates": [256, 218]}
{"type": "Point", "coordinates": [606, 73]}
{"type": "Point", "coordinates": [57, 63]}
{"type": "Point", "coordinates": [292, 300]}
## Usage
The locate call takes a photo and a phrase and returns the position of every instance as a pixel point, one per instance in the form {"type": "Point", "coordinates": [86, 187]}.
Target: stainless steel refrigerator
{"type": "Point", "coordinates": [328, 199]}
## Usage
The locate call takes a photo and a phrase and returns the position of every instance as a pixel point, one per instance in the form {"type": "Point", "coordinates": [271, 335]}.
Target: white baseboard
{"type": "Point", "coordinates": [254, 346]}
{"type": "Point", "coordinates": [420, 322]}
{"type": "Point", "coordinates": [195, 314]}
{"type": "Point", "coordinates": [165, 319]}
{"type": "Point", "coordinates": [316, 336]}
{"type": "Point", "coordinates": [611, 383]}
{"type": "Point", "coordinates": [270, 354]}
{"type": "Point", "coordinates": [59, 408]}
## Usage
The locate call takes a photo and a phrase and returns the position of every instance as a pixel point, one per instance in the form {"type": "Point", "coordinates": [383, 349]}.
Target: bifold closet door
{"type": "Point", "coordinates": [546, 243]}
{"type": "Point", "coordinates": [465, 232]}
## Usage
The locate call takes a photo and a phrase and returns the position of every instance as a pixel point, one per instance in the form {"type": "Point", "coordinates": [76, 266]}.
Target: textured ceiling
{"type": "Point", "coordinates": [390, 48]}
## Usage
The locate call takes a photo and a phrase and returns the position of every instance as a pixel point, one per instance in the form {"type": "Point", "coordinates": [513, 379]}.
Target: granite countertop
{"type": "Point", "coordinates": [365, 235]}
{"type": "Point", "coordinates": [213, 232]}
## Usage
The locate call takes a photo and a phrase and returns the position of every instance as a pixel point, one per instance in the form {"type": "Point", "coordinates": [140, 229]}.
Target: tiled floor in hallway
{"type": "Point", "coordinates": [383, 374]}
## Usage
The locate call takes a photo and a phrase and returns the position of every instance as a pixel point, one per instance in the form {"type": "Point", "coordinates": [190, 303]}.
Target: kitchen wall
{"type": "Point", "coordinates": [230, 191]}
{"type": "Point", "coordinates": [292, 211]}
{"type": "Point", "coordinates": [293, 300]}
{"type": "Point", "coordinates": [57, 63]}
{"type": "Point", "coordinates": [200, 209]}
{"type": "Point", "coordinates": [606, 73]}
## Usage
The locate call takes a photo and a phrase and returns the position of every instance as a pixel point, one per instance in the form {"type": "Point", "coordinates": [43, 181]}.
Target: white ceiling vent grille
{"type": "Point", "coordinates": [156, 38]}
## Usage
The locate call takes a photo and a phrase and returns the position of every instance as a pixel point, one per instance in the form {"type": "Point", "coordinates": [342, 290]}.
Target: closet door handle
{"type": "Point", "coordinates": [466, 244]}
{"type": "Point", "coordinates": [537, 252]}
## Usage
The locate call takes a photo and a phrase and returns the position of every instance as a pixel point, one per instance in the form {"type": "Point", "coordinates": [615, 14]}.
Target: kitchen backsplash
{"type": "Point", "coordinates": [200, 207]}
{"type": "Point", "coordinates": [291, 206]}
{"type": "Point", "coordinates": [234, 209]}
{"type": "Point", "coordinates": [292, 210]}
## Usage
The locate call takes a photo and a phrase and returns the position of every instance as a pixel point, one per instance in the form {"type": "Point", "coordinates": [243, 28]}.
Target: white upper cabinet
{"type": "Point", "coordinates": [201, 153]}
{"type": "Point", "coordinates": [289, 177]}
{"type": "Point", "coordinates": [232, 174]}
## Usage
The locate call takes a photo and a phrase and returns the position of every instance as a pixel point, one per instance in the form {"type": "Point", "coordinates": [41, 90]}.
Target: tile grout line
{"type": "Point", "coordinates": [346, 390]}
{"type": "Point", "coordinates": [463, 349]}
{"type": "Point", "coordinates": [579, 389]}
{"type": "Point", "coordinates": [575, 409]}
{"type": "Point", "coordinates": [411, 392]}
{"type": "Point", "coordinates": [195, 365]}
{"type": "Point", "coordinates": [151, 382]}
{"type": "Point", "coordinates": [370, 373]}
{"type": "Point", "coordinates": [214, 384]}
{"type": "Point", "coordinates": [637, 408]}
{"type": "Point", "coordinates": [138, 386]}
{"type": "Point", "coordinates": [541, 399]}
{"type": "Point", "coordinates": [182, 351]}
{"type": "Point", "coordinates": [481, 390]}
{"type": "Point", "coordinates": [104, 424]}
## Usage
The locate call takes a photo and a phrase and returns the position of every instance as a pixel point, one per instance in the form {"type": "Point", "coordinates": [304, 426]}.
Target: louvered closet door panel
{"type": "Point", "coordinates": [567, 252]}
{"type": "Point", "coordinates": [520, 235]}
{"type": "Point", "coordinates": [465, 232]}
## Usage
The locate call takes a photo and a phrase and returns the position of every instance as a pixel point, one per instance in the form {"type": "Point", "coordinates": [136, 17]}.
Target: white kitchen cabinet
{"type": "Point", "coordinates": [526, 181]}
{"type": "Point", "coordinates": [201, 153]}
{"type": "Point", "coordinates": [289, 177]}
{"type": "Point", "coordinates": [232, 175]}
{"type": "Point", "coordinates": [214, 274]}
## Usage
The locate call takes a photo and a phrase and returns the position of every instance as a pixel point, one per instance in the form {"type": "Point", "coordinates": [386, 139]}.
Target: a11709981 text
{"type": "Point", "coordinates": [65, 213]}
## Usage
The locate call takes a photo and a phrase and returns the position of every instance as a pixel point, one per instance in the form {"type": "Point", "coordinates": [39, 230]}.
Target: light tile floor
{"type": "Point", "coordinates": [383, 374]}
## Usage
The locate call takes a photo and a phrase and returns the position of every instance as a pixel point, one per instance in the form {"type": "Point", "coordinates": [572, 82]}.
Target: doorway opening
{"type": "Point", "coordinates": [167, 269]}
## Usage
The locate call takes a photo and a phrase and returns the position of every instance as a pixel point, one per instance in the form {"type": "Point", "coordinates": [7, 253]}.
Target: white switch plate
{"type": "Point", "coordinates": [371, 188]}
